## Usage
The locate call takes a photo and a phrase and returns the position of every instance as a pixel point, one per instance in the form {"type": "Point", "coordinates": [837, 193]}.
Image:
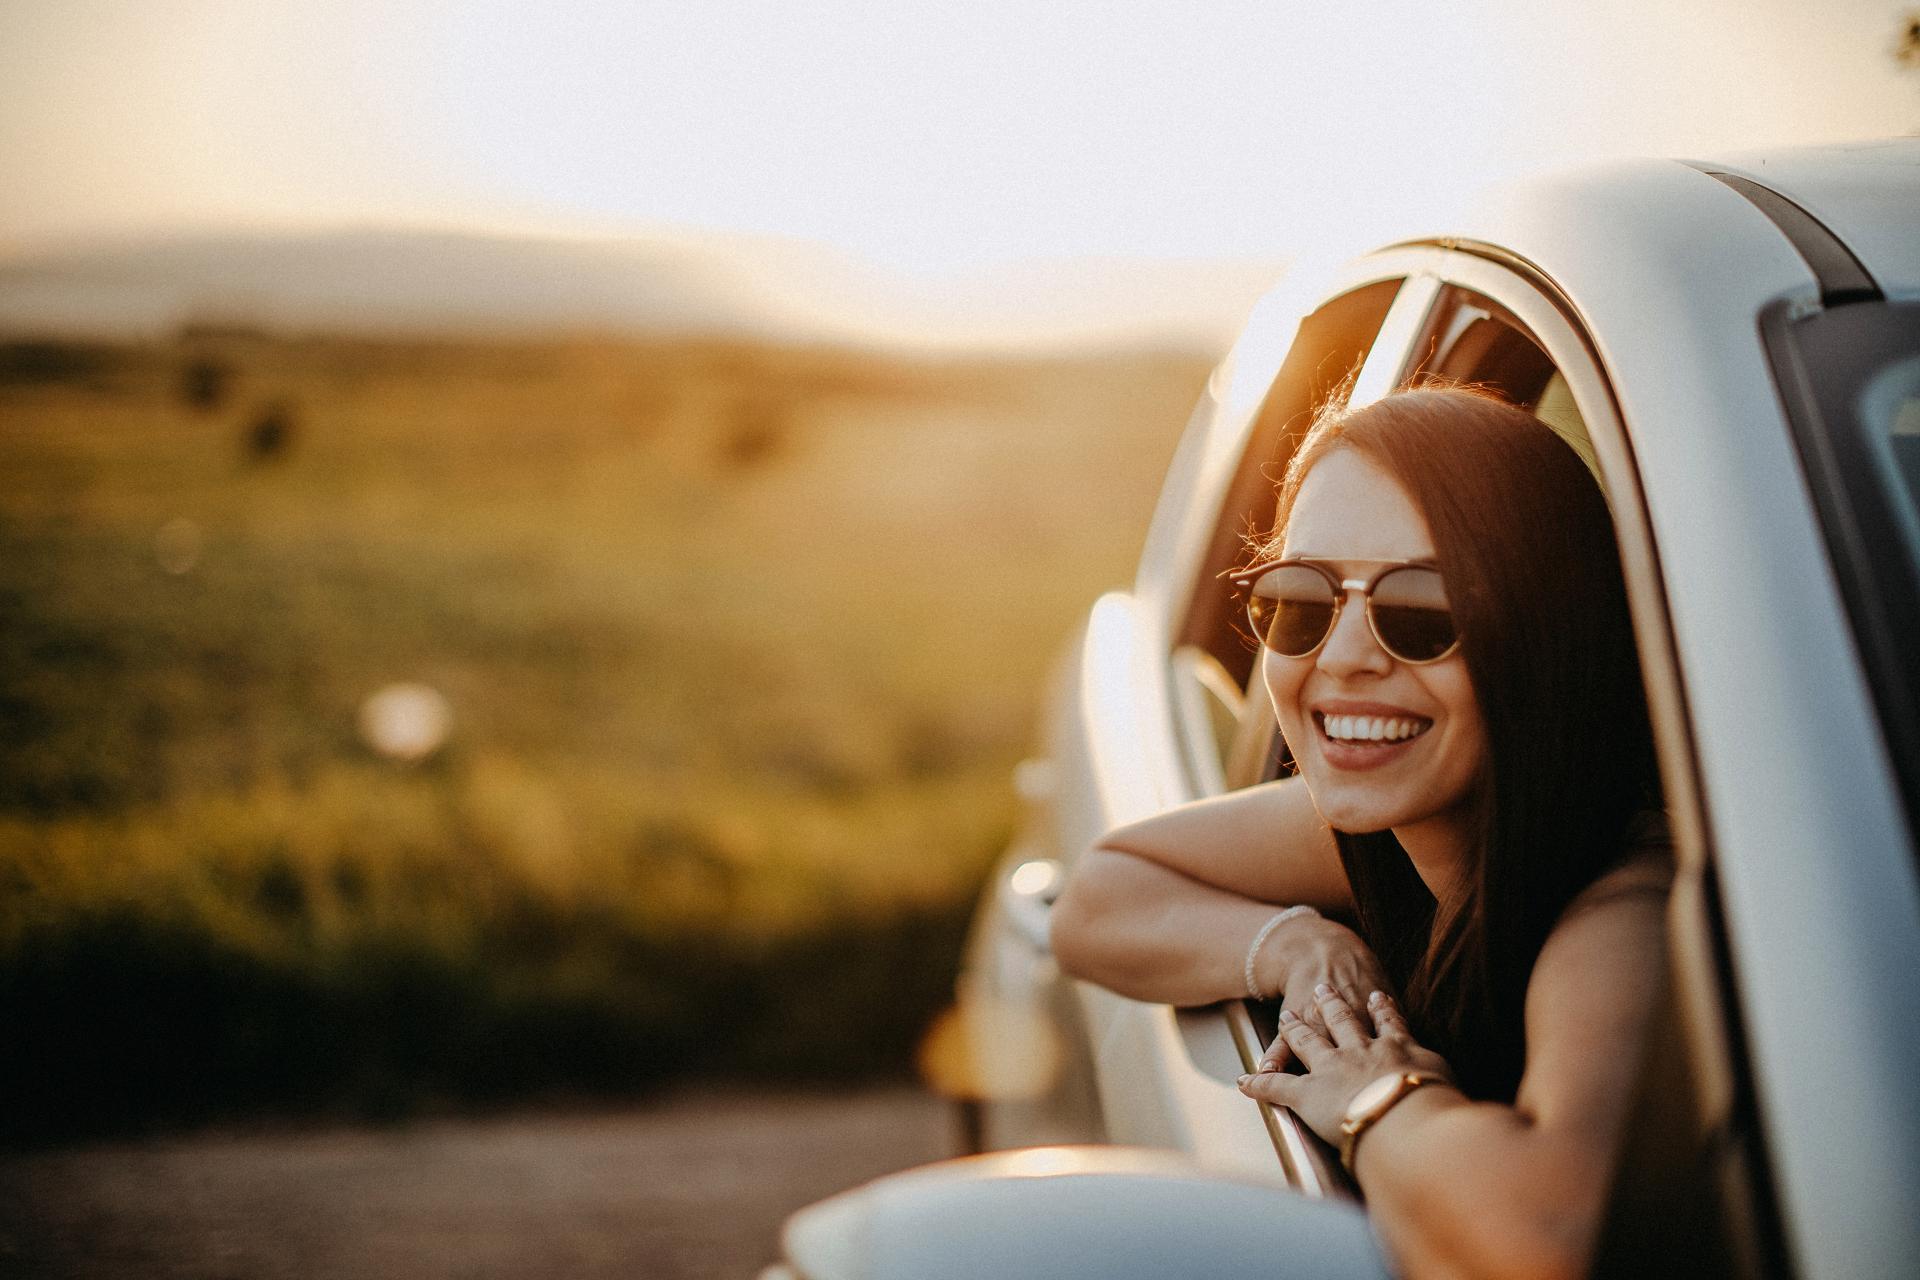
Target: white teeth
{"type": "Point", "coordinates": [1372, 728]}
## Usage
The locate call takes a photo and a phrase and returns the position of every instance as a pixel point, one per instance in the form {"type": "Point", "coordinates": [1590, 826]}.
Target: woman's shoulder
{"type": "Point", "coordinates": [1644, 873]}
{"type": "Point", "coordinates": [1616, 924]}
{"type": "Point", "coordinates": [1595, 986]}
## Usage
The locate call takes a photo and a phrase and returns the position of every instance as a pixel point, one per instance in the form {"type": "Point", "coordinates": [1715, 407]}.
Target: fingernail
{"type": "Point", "coordinates": [1323, 991]}
{"type": "Point", "coordinates": [1288, 1015]}
{"type": "Point", "coordinates": [1377, 998]}
{"type": "Point", "coordinates": [1244, 1079]}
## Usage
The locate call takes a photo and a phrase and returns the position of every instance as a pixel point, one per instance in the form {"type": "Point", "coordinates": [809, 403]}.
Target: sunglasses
{"type": "Point", "coordinates": [1293, 605]}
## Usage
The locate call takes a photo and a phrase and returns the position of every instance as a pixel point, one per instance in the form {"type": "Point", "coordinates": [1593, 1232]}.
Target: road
{"type": "Point", "coordinates": [688, 1188]}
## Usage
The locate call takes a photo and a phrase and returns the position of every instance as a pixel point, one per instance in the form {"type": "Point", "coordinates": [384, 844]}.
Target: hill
{"type": "Point", "coordinates": [375, 281]}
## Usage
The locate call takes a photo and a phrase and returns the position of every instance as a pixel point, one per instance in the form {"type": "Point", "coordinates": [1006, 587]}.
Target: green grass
{"type": "Point", "coordinates": [740, 643]}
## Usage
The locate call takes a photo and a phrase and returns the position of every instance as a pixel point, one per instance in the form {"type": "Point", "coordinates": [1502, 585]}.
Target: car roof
{"type": "Point", "coordinates": [1864, 192]}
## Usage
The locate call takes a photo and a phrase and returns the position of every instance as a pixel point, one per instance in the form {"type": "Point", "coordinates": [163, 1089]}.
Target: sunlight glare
{"type": "Point", "coordinates": [405, 722]}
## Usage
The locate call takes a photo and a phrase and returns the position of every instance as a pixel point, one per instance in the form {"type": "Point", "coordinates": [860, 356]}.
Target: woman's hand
{"type": "Point", "coordinates": [1340, 1061]}
{"type": "Point", "coordinates": [1304, 955]}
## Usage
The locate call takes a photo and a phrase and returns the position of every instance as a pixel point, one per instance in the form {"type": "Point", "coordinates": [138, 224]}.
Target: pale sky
{"type": "Point", "coordinates": [935, 138]}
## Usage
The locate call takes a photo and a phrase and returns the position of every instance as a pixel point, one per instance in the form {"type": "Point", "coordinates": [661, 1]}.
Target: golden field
{"type": "Point", "coordinates": [737, 644]}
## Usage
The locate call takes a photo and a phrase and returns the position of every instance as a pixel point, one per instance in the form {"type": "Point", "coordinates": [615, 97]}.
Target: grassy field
{"type": "Point", "coordinates": [738, 642]}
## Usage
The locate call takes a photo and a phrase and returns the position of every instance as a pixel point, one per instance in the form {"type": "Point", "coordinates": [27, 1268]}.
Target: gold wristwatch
{"type": "Point", "coordinates": [1375, 1101]}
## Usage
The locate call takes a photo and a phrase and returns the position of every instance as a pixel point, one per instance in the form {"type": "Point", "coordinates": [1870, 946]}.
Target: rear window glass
{"type": "Point", "coordinates": [1889, 412]}
{"type": "Point", "coordinates": [1850, 378]}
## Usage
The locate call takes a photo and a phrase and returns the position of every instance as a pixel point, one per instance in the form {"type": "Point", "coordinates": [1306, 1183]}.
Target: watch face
{"type": "Point", "coordinates": [1373, 1095]}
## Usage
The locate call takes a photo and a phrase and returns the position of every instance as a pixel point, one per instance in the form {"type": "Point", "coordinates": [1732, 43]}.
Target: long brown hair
{"type": "Point", "coordinates": [1523, 537]}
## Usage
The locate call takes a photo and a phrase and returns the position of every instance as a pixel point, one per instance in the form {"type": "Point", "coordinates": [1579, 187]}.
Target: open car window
{"type": "Point", "coordinates": [1452, 333]}
{"type": "Point", "coordinates": [1693, 1130]}
{"type": "Point", "coordinates": [1213, 655]}
{"type": "Point", "coordinates": [1475, 340]}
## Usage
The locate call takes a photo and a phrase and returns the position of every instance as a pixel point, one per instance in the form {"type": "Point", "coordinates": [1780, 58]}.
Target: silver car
{"type": "Point", "coordinates": [1738, 343]}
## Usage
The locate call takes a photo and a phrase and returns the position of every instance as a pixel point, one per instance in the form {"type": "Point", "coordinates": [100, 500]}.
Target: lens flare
{"type": "Point", "coordinates": [177, 546]}
{"type": "Point", "coordinates": [406, 722]}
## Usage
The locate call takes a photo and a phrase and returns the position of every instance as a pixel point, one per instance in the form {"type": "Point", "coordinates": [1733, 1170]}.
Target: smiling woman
{"type": "Point", "coordinates": [1446, 644]}
{"type": "Point", "coordinates": [1404, 757]}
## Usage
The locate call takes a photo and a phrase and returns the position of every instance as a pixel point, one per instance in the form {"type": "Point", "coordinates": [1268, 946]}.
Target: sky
{"type": "Point", "coordinates": [935, 140]}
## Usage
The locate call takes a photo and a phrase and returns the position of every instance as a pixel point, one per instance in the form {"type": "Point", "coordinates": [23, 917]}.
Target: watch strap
{"type": "Point", "coordinates": [1353, 1126]}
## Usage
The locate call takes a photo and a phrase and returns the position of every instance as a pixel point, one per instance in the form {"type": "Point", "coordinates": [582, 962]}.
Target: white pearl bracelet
{"type": "Point", "coordinates": [1259, 940]}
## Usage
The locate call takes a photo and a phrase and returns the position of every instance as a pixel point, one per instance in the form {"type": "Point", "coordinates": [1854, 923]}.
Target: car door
{"type": "Point", "coordinates": [1154, 707]}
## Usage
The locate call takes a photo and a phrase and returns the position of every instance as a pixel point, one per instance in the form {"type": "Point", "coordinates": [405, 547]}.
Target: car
{"type": "Point", "coordinates": [1734, 345]}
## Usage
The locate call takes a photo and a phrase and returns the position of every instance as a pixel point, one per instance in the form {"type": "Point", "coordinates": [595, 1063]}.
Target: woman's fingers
{"type": "Point", "coordinates": [1387, 1018]}
{"type": "Point", "coordinates": [1277, 1056]}
{"type": "Point", "coordinates": [1307, 1043]}
{"type": "Point", "coordinates": [1343, 1024]}
{"type": "Point", "coordinates": [1274, 1087]}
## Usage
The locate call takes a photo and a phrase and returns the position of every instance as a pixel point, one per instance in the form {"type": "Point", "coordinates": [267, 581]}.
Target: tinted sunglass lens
{"type": "Point", "coordinates": [1291, 608]}
{"type": "Point", "coordinates": [1411, 614]}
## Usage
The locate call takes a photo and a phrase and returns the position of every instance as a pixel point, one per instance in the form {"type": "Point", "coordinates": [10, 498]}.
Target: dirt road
{"type": "Point", "coordinates": [691, 1187]}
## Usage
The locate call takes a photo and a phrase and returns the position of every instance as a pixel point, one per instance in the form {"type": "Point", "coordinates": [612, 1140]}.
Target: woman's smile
{"type": "Point", "coordinates": [1366, 735]}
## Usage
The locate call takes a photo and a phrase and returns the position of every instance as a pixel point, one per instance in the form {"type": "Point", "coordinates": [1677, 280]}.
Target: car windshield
{"type": "Point", "coordinates": [1850, 376]}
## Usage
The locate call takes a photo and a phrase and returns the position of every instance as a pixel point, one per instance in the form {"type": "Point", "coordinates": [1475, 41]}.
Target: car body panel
{"type": "Point", "coordinates": [1067, 1213]}
{"type": "Point", "coordinates": [1165, 1078]}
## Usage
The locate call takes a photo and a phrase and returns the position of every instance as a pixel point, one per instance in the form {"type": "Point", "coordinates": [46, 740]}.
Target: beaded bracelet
{"type": "Point", "coordinates": [1259, 939]}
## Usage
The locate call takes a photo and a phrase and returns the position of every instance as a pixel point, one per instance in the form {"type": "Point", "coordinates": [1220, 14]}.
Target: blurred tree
{"type": "Point", "coordinates": [271, 434]}
{"type": "Point", "coordinates": [204, 383]}
{"type": "Point", "coordinates": [759, 431]}
{"type": "Point", "coordinates": [49, 363]}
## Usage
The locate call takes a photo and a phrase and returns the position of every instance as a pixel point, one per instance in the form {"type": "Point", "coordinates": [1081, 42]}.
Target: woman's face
{"type": "Point", "coordinates": [1355, 516]}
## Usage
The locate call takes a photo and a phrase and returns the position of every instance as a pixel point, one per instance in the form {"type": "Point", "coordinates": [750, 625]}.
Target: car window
{"type": "Point", "coordinates": [1694, 1151]}
{"type": "Point", "coordinates": [1476, 340]}
{"type": "Point", "coordinates": [1467, 337]}
{"type": "Point", "coordinates": [1212, 656]}
{"type": "Point", "coordinates": [1850, 379]}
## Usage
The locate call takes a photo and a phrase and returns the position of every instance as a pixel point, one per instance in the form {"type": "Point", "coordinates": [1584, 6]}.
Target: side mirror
{"type": "Point", "coordinates": [1070, 1212]}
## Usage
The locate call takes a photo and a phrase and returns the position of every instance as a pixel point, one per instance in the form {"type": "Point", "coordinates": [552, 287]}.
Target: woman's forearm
{"type": "Point", "coordinates": [1152, 933]}
{"type": "Point", "coordinates": [1165, 909]}
{"type": "Point", "coordinates": [1265, 842]}
{"type": "Point", "coordinates": [1467, 1188]}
